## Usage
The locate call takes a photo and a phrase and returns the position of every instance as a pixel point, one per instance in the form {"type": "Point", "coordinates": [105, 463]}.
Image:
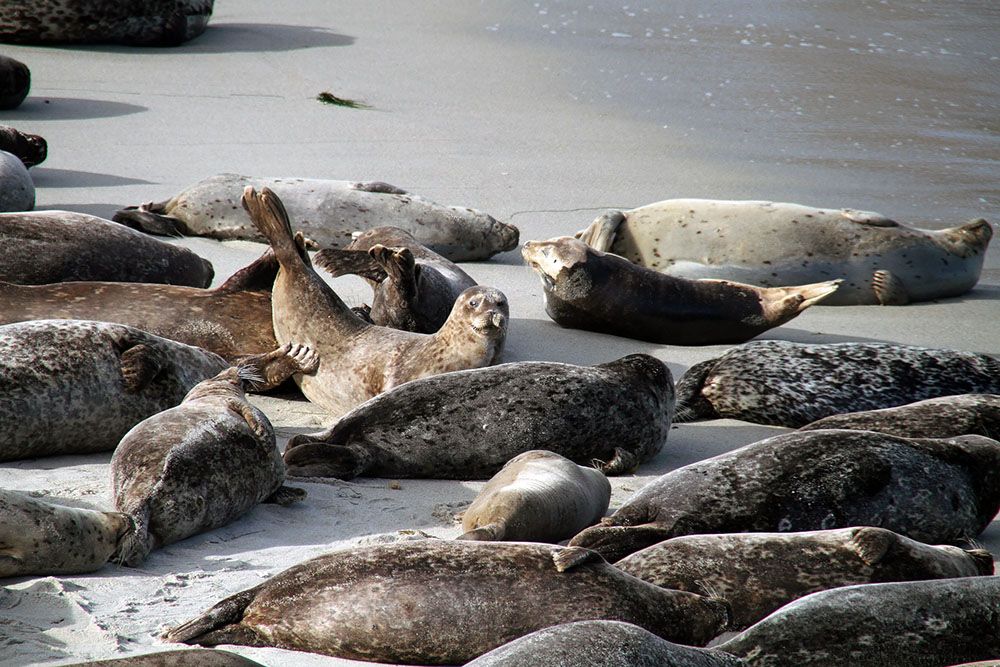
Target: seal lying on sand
{"type": "Point", "coordinates": [587, 289]}
{"type": "Point", "coordinates": [468, 424]}
{"type": "Point", "coordinates": [197, 466]}
{"type": "Point", "coordinates": [772, 244]}
{"type": "Point", "coordinates": [539, 496]}
{"type": "Point", "coordinates": [415, 288]}
{"type": "Point", "coordinates": [57, 246]}
{"type": "Point", "coordinates": [327, 212]}
{"type": "Point", "coordinates": [15, 81]}
{"type": "Point", "coordinates": [356, 359]}
{"type": "Point", "coordinates": [42, 538]}
{"type": "Point", "coordinates": [202, 657]}
{"type": "Point", "coordinates": [792, 384]}
{"type": "Point", "coordinates": [758, 572]}
{"type": "Point", "coordinates": [945, 417]}
{"type": "Point", "coordinates": [934, 491]}
{"type": "Point", "coordinates": [31, 149]}
{"type": "Point", "coordinates": [443, 602]}
{"type": "Point", "coordinates": [17, 190]}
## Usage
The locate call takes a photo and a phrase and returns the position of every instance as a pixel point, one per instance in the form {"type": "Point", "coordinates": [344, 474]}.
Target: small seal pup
{"type": "Point", "coordinates": [934, 491]}
{"type": "Point", "coordinates": [41, 538]}
{"type": "Point", "coordinates": [202, 657]}
{"type": "Point", "coordinates": [792, 384]}
{"type": "Point", "coordinates": [17, 190]}
{"type": "Point", "coordinates": [945, 417]}
{"type": "Point", "coordinates": [443, 602]}
{"type": "Point", "coordinates": [197, 466]}
{"type": "Point", "coordinates": [873, 625]}
{"type": "Point", "coordinates": [57, 246]}
{"type": "Point", "coordinates": [773, 244]}
{"type": "Point", "coordinates": [587, 289]}
{"type": "Point", "coordinates": [415, 430]}
{"type": "Point", "coordinates": [327, 213]}
{"type": "Point", "coordinates": [758, 572]}
{"type": "Point", "coordinates": [539, 496]}
{"type": "Point", "coordinates": [356, 359]}
{"type": "Point", "coordinates": [31, 149]}
{"type": "Point", "coordinates": [15, 82]}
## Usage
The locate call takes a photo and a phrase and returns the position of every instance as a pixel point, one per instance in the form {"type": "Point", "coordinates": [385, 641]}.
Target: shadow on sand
{"type": "Point", "coordinates": [45, 177]}
{"type": "Point", "coordinates": [69, 108]}
{"type": "Point", "coordinates": [100, 210]}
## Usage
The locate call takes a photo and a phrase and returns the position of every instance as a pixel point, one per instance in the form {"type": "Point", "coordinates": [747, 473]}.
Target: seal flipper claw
{"type": "Point", "coordinates": [600, 235]}
{"type": "Point", "coordinates": [570, 557]}
{"type": "Point", "coordinates": [622, 463]}
{"type": "Point", "coordinates": [278, 365]}
{"type": "Point", "coordinates": [140, 364]}
{"type": "Point", "coordinates": [341, 262]}
{"type": "Point", "coordinates": [492, 532]}
{"type": "Point", "coordinates": [889, 290]}
{"type": "Point", "coordinates": [871, 544]}
{"type": "Point", "coordinates": [286, 495]}
{"type": "Point", "coordinates": [146, 219]}
{"type": "Point", "coordinates": [259, 426]}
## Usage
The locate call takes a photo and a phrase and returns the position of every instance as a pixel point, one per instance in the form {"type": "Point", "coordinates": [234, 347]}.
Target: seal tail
{"type": "Point", "coordinates": [218, 625]}
{"type": "Point", "coordinates": [149, 218]}
{"type": "Point", "coordinates": [270, 218]}
{"type": "Point", "coordinates": [691, 405]}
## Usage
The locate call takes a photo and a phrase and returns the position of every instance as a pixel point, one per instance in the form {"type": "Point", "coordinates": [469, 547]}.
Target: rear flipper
{"type": "Point", "coordinates": [318, 459]}
{"type": "Point", "coordinates": [286, 495]}
{"type": "Point", "coordinates": [148, 218]}
{"type": "Point", "coordinates": [340, 262]}
{"type": "Point", "coordinates": [601, 232]}
{"type": "Point", "coordinates": [489, 533]}
{"type": "Point", "coordinates": [889, 290]}
{"type": "Point", "coordinates": [219, 625]}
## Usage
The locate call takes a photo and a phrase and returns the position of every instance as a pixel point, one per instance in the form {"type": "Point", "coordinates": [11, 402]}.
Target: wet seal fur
{"type": "Point", "coordinates": [30, 149]}
{"type": "Point", "coordinates": [933, 491]}
{"type": "Point", "coordinates": [202, 657]}
{"type": "Point", "coordinates": [914, 623]}
{"type": "Point", "coordinates": [17, 190]}
{"type": "Point", "coordinates": [443, 602]}
{"type": "Point", "coordinates": [468, 424]}
{"type": "Point", "coordinates": [538, 496]}
{"type": "Point", "coordinates": [40, 538]}
{"type": "Point", "coordinates": [56, 246]}
{"type": "Point", "coordinates": [588, 289]}
{"type": "Point", "coordinates": [15, 82]}
{"type": "Point", "coordinates": [792, 384]}
{"type": "Point", "coordinates": [327, 212]}
{"type": "Point", "coordinates": [356, 359]}
{"type": "Point", "coordinates": [758, 572]}
{"type": "Point", "coordinates": [198, 466]}
{"type": "Point", "coordinates": [773, 244]}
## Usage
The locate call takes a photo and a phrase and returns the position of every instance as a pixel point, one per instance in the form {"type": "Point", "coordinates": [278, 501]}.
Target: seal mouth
{"type": "Point", "coordinates": [490, 324]}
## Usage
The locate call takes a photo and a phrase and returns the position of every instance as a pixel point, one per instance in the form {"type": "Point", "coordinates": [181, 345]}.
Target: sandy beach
{"type": "Point", "coordinates": [543, 114]}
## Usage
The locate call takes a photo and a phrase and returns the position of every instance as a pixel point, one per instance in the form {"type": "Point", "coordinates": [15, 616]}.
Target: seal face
{"type": "Point", "coordinates": [468, 424]}
{"type": "Point", "coordinates": [17, 190]}
{"type": "Point", "coordinates": [587, 289]}
{"type": "Point", "coordinates": [772, 244]}
{"type": "Point", "coordinates": [933, 491]}
{"type": "Point", "coordinates": [349, 603]}
{"type": "Point", "coordinates": [15, 82]}
{"type": "Point", "coordinates": [31, 149]}
{"type": "Point", "coordinates": [792, 384]}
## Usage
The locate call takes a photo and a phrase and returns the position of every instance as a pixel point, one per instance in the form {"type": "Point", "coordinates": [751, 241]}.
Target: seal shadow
{"type": "Point", "coordinates": [979, 293]}
{"type": "Point", "coordinates": [47, 177]}
{"type": "Point", "coordinates": [37, 108]}
{"type": "Point", "coordinates": [531, 340]}
{"type": "Point", "coordinates": [105, 211]}
{"type": "Point", "coordinates": [696, 441]}
{"type": "Point", "coordinates": [793, 335]}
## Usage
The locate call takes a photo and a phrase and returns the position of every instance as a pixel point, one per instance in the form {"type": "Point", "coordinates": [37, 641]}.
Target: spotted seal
{"type": "Point", "coordinates": [792, 384]}
{"type": "Point", "coordinates": [468, 424]}
{"type": "Point", "coordinates": [327, 212]}
{"type": "Point", "coordinates": [202, 657]}
{"type": "Point", "coordinates": [538, 496]}
{"type": "Point", "coordinates": [30, 149]}
{"type": "Point", "coordinates": [588, 289]}
{"type": "Point", "coordinates": [773, 244]}
{"type": "Point", "coordinates": [932, 490]}
{"type": "Point", "coordinates": [758, 572]}
{"type": "Point", "coordinates": [945, 417]}
{"type": "Point", "coordinates": [17, 190]}
{"type": "Point", "coordinates": [15, 82]}
{"type": "Point", "coordinates": [443, 602]}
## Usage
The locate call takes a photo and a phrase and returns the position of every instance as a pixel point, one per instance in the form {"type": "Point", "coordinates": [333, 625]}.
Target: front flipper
{"type": "Point", "coordinates": [868, 218]}
{"type": "Point", "coordinates": [254, 419]}
{"type": "Point", "coordinates": [286, 495]}
{"type": "Point", "coordinates": [889, 290]}
{"type": "Point", "coordinates": [379, 187]}
{"type": "Point", "coordinates": [492, 532]}
{"type": "Point", "coordinates": [601, 232]}
{"type": "Point", "coordinates": [341, 262]}
{"type": "Point", "coordinates": [276, 366]}
{"type": "Point", "coordinates": [223, 618]}
{"type": "Point", "coordinates": [622, 463]}
{"type": "Point", "coordinates": [615, 542]}
{"type": "Point", "coordinates": [146, 219]}
{"type": "Point", "coordinates": [317, 459]}
{"type": "Point", "coordinates": [139, 364]}
{"type": "Point", "coordinates": [570, 557]}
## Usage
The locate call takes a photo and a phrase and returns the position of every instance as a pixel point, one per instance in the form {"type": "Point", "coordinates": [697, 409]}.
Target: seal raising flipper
{"type": "Point", "coordinates": [275, 367]}
{"type": "Point", "coordinates": [889, 290]}
{"type": "Point", "coordinates": [601, 232]}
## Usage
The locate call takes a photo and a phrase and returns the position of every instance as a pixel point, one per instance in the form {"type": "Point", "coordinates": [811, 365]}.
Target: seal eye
{"type": "Point", "coordinates": [474, 303]}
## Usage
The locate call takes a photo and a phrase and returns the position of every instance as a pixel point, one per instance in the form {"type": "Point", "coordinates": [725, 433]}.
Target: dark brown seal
{"type": "Point", "coordinates": [31, 149]}
{"type": "Point", "coordinates": [588, 289]}
{"type": "Point", "coordinates": [15, 82]}
{"type": "Point", "coordinates": [443, 602]}
{"type": "Point", "coordinates": [945, 417]}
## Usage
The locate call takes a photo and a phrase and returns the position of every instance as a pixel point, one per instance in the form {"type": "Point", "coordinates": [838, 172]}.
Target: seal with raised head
{"type": "Point", "coordinates": [933, 490]}
{"type": "Point", "coordinates": [56, 246]}
{"type": "Point", "coordinates": [773, 244]}
{"type": "Point", "coordinates": [31, 149]}
{"type": "Point", "coordinates": [443, 602]}
{"type": "Point", "coordinates": [202, 657]}
{"type": "Point", "coordinates": [358, 360]}
{"type": "Point", "coordinates": [758, 572]}
{"type": "Point", "coordinates": [15, 82]}
{"type": "Point", "coordinates": [17, 190]}
{"type": "Point", "coordinates": [468, 424]}
{"type": "Point", "coordinates": [538, 496]}
{"type": "Point", "coordinates": [588, 289]}
{"type": "Point", "coordinates": [327, 212]}
{"type": "Point", "coordinates": [41, 538]}
{"type": "Point", "coordinates": [793, 384]}
{"type": "Point", "coordinates": [197, 466]}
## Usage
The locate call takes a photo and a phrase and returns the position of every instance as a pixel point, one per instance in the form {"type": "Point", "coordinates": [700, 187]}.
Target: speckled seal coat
{"type": "Point", "coordinates": [468, 424]}
{"type": "Point", "coordinates": [772, 244]}
{"type": "Point", "coordinates": [57, 246]}
{"type": "Point", "coordinates": [15, 82]}
{"type": "Point", "coordinates": [934, 491]}
{"type": "Point", "coordinates": [588, 289]}
{"type": "Point", "coordinates": [758, 572]}
{"type": "Point", "coordinates": [327, 213]}
{"type": "Point", "coordinates": [41, 538]}
{"type": "Point", "coordinates": [196, 467]}
{"type": "Point", "coordinates": [914, 623]}
{"type": "Point", "coordinates": [945, 417]}
{"type": "Point", "coordinates": [443, 602]}
{"type": "Point", "coordinates": [792, 384]}
{"type": "Point", "coordinates": [31, 149]}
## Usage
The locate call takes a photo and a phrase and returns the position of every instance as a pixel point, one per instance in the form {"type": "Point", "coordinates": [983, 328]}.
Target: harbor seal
{"type": "Point", "coordinates": [872, 625]}
{"type": "Point", "coordinates": [792, 384]}
{"type": "Point", "coordinates": [40, 538]}
{"type": "Point", "coordinates": [945, 417]}
{"type": "Point", "coordinates": [443, 602]}
{"type": "Point", "coordinates": [195, 467]}
{"type": "Point", "coordinates": [202, 657]}
{"type": "Point", "coordinates": [56, 246]}
{"type": "Point", "coordinates": [30, 149]}
{"type": "Point", "coordinates": [327, 212]}
{"type": "Point", "coordinates": [17, 190]}
{"type": "Point", "coordinates": [468, 424]}
{"type": "Point", "coordinates": [356, 359]}
{"type": "Point", "coordinates": [773, 244]}
{"type": "Point", "coordinates": [934, 491]}
{"type": "Point", "coordinates": [538, 496]}
{"type": "Point", "coordinates": [15, 82]}
{"type": "Point", "coordinates": [758, 572]}
{"type": "Point", "coordinates": [587, 289]}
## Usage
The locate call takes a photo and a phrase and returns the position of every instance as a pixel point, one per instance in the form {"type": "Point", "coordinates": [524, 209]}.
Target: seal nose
{"type": "Point", "coordinates": [509, 234]}
{"type": "Point", "coordinates": [498, 319]}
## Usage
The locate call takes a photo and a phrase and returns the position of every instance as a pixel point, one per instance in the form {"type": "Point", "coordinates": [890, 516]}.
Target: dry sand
{"type": "Point", "coordinates": [543, 114]}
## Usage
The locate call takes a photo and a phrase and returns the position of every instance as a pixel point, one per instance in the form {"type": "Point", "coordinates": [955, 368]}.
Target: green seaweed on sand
{"type": "Point", "coordinates": [327, 97]}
